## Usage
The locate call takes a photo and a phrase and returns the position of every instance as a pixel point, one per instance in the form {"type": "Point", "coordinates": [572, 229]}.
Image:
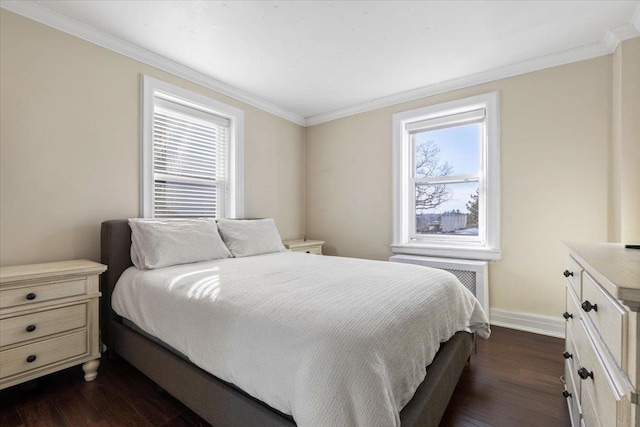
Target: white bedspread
{"type": "Point", "coordinates": [331, 341]}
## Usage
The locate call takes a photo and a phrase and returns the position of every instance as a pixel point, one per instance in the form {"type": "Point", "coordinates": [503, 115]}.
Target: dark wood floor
{"type": "Point", "coordinates": [514, 380]}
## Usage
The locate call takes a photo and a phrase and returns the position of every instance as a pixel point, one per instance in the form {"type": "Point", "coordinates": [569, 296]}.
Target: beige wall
{"type": "Point", "coordinates": [554, 165]}
{"type": "Point", "coordinates": [625, 144]}
{"type": "Point", "coordinates": [69, 153]}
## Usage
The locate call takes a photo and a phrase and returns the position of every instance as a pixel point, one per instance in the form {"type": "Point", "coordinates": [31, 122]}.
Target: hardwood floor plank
{"type": "Point", "coordinates": [108, 400]}
{"type": "Point", "coordinates": [41, 414]}
{"type": "Point", "coordinates": [9, 416]}
{"type": "Point", "coordinates": [140, 392]}
{"type": "Point", "coordinates": [76, 409]}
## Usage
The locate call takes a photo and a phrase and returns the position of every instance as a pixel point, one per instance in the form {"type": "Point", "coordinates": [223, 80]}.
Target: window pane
{"type": "Point", "coordinates": [450, 209]}
{"type": "Point", "coordinates": [449, 151]}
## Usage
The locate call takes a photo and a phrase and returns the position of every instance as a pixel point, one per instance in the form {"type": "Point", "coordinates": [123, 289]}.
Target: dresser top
{"type": "Point", "coordinates": [49, 269]}
{"type": "Point", "coordinates": [617, 269]}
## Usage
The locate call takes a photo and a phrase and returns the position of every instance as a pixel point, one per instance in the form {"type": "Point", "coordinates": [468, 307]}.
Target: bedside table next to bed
{"type": "Point", "coordinates": [49, 319]}
{"type": "Point", "coordinates": [308, 246]}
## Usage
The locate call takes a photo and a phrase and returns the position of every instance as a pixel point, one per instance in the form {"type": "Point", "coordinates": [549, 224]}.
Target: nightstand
{"type": "Point", "coordinates": [49, 319]}
{"type": "Point", "coordinates": [307, 246]}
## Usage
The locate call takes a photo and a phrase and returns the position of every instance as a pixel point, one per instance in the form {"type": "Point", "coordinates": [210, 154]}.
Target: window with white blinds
{"type": "Point", "coordinates": [189, 150]}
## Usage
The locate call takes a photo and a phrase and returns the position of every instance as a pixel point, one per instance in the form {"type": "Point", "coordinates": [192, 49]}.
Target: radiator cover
{"type": "Point", "coordinates": [474, 275]}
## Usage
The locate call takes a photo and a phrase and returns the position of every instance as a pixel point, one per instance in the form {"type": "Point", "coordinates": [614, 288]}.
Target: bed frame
{"type": "Point", "coordinates": [221, 403]}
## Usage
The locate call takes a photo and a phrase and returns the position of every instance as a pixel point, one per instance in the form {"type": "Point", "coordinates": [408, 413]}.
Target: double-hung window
{"type": "Point", "coordinates": [191, 154]}
{"type": "Point", "coordinates": [447, 179]}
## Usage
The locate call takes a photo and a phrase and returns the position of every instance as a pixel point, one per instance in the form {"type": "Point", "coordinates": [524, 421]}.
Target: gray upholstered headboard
{"type": "Point", "coordinates": [115, 245]}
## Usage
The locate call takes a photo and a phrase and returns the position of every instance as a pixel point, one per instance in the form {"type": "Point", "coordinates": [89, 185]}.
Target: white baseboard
{"type": "Point", "coordinates": [543, 325]}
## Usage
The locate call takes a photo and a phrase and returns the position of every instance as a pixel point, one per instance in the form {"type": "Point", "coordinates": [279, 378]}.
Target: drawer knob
{"type": "Point", "coordinates": [567, 355]}
{"type": "Point", "coordinates": [587, 306]}
{"type": "Point", "coordinates": [31, 328]}
{"type": "Point", "coordinates": [566, 394]}
{"type": "Point", "coordinates": [568, 273]}
{"type": "Point", "coordinates": [584, 373]}
{"type": "Point", "coordinates": [31, 296]}
{"type": "Point", "coordinates": [308, 252]}
{"type": "Point", "coordinates": [32, 358]}
{"type": "Point", "coordinates": [567, 316]}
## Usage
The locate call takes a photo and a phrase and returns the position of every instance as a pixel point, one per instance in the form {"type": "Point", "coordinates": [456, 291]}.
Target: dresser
{"type": "Point", "coordinates": [602, 362]}
{"type": "Point", "coordinates": [49, 319]}
{"type": "Point", "coordinates": [306, 246]}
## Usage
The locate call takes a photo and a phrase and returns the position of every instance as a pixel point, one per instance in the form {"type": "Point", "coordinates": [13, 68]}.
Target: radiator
{"type": "Point", "coordinates": [474, 275]}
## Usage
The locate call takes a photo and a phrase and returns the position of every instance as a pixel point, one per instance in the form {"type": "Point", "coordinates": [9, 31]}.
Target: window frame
{"type": "Point", "coordinates": [487, 245]}
{"type": "Point", "coordinates": [149, 88]}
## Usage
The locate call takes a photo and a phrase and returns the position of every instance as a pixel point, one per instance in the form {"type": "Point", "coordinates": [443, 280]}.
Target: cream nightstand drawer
{"type": "Point", "coordinates": [40, 293]}
{"type": "Point", "coordinates": [305, 246]}
{"type": "Point", "coordinates": [36, 325]}
{"type": "Point", "coordinates": [315, 250]}
{"type": "Point", "coordinates": [32, 356]}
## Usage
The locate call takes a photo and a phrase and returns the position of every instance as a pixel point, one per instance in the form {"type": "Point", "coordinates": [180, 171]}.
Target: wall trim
{"type": "Point", "coordinates": [60, 22]}
{"type": "Point", "coordinates": [617, 35]}
{"type": "Point", "coordinates": [529, 322]}
{"type": "Point", "coordinates": [70, 26]}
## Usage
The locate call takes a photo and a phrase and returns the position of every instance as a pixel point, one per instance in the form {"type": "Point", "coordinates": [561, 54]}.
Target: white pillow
{"type": "Point", "coordinates": [157, 243]}
{"type": "Point", "coordinates": [251, 237]}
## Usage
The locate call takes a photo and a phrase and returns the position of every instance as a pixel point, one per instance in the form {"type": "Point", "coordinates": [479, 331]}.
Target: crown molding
{"type": "Point", "coordinates": [70, 26]}
{"type": "Point", "coordinates": [636, 19]}
{"type": "Point", "coordinates": [617, 35]}
{"type": "Point", "coordinates": [605, 47]}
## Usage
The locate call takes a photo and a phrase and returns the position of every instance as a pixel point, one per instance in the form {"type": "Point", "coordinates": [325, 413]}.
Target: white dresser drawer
{"type": "Point", "coordinates": [572, 359]}
{"type": "Point", "coordinates": [599, 396]}
{"type": "Point", "coordinates": [589, 414]}
{"type": "Point", "coordinates": [39, 293]}
{"type": "Point", "coordinates": [573, 396]}
{"type": "Point", "coordinates": [42, 353]}
{"type": "Point", "coordinates": [573, 273]}
{"type": "Point", "coordinates": [608, 316]}
{"type": "Point", "coordinates": [573, 312]}
{"type": "Point", "coordinates": [36, 325]}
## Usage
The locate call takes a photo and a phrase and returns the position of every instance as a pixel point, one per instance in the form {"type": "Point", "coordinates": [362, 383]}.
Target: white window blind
{"type": "Point", "coordinates": [190, 161]}
{"type": "Point", "coordinates": [446, 121]}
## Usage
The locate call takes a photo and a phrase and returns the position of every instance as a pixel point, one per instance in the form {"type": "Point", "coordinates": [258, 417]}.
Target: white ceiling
{"type": "Point", "coordinates": [315, 57]}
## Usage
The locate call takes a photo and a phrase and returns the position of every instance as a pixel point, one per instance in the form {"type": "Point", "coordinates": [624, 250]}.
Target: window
{"type": "Point", "coordinates": [191, 154]}
{"type": "Point", "coordinates": [447, 179]}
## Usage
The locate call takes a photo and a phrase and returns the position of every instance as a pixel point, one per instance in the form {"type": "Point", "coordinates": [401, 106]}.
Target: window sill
{"type": "Point", "coordinates": [480, 253]}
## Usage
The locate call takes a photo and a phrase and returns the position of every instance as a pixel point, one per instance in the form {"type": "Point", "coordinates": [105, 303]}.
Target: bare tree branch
{"type": "Point", "coordinates": [428, 165]}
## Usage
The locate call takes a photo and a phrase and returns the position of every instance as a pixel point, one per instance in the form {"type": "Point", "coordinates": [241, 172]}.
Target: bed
{"type": "Point", "coordinates": [220, 402]}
